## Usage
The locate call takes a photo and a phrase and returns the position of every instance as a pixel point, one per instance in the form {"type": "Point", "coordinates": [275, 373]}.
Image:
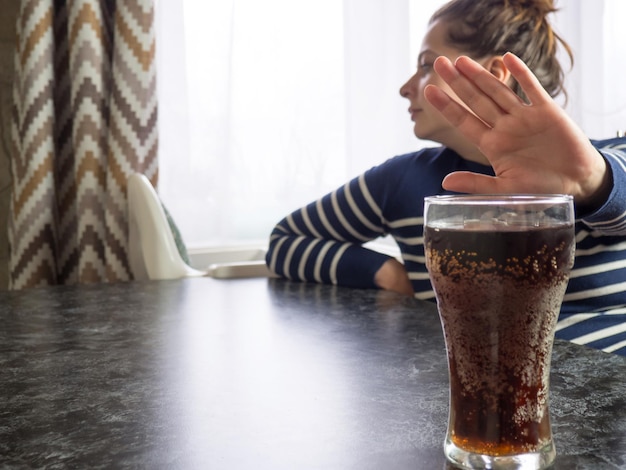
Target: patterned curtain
{"type": "Point", "coordinates": [84, 118]}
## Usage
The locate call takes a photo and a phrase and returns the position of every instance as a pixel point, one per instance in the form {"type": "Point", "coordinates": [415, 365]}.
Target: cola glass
{"type": "Point", "coordinates": [499, 266]}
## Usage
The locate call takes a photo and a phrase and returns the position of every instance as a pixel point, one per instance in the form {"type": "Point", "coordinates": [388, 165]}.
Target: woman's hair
{"type": "Point", "coordinates": [482, 28]}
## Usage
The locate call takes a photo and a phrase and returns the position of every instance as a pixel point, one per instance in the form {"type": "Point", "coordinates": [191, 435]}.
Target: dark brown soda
{"type": "Point", "coordinates": [499, 293]}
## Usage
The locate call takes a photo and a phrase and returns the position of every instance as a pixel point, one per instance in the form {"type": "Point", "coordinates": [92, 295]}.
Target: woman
{"type": "Point", "coordinates": [484, 87]}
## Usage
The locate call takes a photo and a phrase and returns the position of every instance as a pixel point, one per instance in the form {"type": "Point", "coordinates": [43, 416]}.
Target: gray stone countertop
{"type": "Point", "coordinates": [256, 373]}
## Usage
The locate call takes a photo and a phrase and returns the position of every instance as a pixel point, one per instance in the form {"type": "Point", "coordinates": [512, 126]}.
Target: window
{"type": "Point", "coordinates": [266, 105]}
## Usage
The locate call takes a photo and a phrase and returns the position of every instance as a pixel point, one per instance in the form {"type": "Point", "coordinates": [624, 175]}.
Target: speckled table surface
{"type": "Point", "coordinates": [256, 373]}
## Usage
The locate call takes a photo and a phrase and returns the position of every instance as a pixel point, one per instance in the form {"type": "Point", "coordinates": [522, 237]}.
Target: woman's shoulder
{"type": "Point", "coordinates": [417, 173]}
{"type": "Point", "coordinates": [434, 162]}
{"type": "Point", "coordinates": [426, 157]}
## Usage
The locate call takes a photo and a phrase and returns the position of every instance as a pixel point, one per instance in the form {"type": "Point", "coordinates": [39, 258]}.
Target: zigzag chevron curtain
{"type": "Point", "coordinates": [84, 118]}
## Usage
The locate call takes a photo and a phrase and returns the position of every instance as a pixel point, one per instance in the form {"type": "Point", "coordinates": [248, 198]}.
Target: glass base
{"type": "Point", "coordinates": [530, 461]}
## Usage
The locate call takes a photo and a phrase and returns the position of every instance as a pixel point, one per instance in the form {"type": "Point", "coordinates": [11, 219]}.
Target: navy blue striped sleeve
{"type": "Point", "coordinates": [322, 242]}
{"type": "Point", "coordinates": [594, 307]}
{"type": "Point", "coordinates": [610, 219]}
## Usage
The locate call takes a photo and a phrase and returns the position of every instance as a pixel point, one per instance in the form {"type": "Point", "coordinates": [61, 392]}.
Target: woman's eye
{"type": "Point", "coordinates": [425, 66]}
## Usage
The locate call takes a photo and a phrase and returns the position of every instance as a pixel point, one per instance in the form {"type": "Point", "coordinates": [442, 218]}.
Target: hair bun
{"type": "Point", "coordinates": [540, 8]}
{"type": "Point", "coordinates": [481, 28]}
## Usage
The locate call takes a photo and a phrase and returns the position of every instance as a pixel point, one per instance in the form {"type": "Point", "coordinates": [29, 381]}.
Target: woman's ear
{"type": "Point", "coordinates": [496, 67]}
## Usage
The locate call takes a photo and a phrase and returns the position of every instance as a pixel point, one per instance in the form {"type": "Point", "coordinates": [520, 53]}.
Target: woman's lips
{"type": "Point", "coordinates": [414, 112]}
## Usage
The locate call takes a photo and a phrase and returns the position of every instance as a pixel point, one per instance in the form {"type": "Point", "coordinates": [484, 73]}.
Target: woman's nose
{"type": "Point", "coordinates": [405, 90]}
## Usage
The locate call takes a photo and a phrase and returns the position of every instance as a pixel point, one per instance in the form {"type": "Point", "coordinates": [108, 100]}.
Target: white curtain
{"type": "Point", "coordinates": [595, 30]}
{"type": "Point", "coordinates": [266, 105]}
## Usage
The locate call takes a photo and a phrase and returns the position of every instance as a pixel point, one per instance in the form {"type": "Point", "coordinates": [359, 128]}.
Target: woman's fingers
{"type": "Point", "coordinates": [472, 183]}
{"type": "Point", "coordinates": [467, 91]}
{"type": "Point", "coordinates": [515, 181]}
{"type": "Point", "coordinates": [527, 80]}
{"type": "Point", "coordinates": [483, 93]}
{"type": "Point", "coordinates": [456, 114]}
{"type": "Point", "coordinates": [492, 91]}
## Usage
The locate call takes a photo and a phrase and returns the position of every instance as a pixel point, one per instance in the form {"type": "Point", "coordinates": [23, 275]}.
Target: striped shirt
{"type": "Point", "coordinates": [323, 241]}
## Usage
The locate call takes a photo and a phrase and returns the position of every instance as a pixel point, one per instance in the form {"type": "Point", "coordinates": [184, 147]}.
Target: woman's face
{"type": "Point", "coordinates": [429, 123]}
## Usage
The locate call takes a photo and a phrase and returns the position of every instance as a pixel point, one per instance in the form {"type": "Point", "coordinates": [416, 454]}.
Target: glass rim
{"type": "Point", "coordinates": [505, 199]}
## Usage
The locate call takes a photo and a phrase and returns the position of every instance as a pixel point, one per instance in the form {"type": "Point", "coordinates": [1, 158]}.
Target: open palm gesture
{"type": "Point", "coordinates": [533, 147]}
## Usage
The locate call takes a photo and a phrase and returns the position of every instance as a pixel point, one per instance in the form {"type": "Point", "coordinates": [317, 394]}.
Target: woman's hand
{"type": "Point", "coordinates": [392, 276]}
{"type": "Point", "coordinates": [533, 147]}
